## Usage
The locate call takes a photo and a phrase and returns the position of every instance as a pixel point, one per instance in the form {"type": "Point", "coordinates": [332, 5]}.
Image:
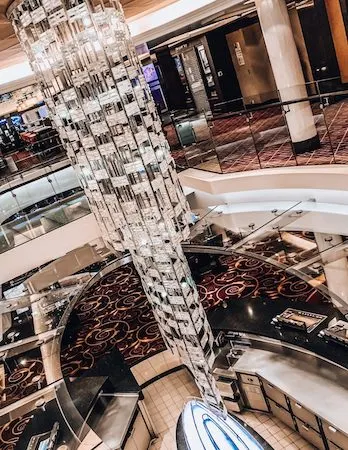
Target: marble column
{"type": "Point", "coordinates": [336, 271]}
{"type": "Point", "coordinates": [84, 59]}
{"type": "Point", "coordinates": [288, 74]}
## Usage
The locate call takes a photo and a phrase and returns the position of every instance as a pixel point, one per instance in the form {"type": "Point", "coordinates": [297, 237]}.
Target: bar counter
{"type": "Point", "coordinates": [325, 397]}
{"type": "Point", "coordinates": [294, 375]}
{"type": "Point", "coordinates": [254, 317]}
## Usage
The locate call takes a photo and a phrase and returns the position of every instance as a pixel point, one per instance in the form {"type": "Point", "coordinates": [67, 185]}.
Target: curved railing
{"type": "Point", "coordinates": [43, 152]}
{"type": "Point", "coordinates": [241, 135]}
{"type": "Point", "coordinates": [42, 221]}
{"type": "Point", "coordinates": [273, 240]}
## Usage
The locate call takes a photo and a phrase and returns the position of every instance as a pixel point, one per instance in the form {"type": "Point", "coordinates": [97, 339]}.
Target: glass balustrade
{"type": "Point", "coordinates": [14, 166]}
{"type": "Point", "coordinates": [242, 135]}
{"type": "Point", "coordinates": [27, 227]}
{"type": "Point", "coordinates": [275, 236]}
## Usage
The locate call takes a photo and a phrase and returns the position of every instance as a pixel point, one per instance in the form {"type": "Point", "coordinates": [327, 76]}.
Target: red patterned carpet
{"type": "Point", "coordinates": [116, 313]}
{"type": "Point", "coordinates": [264, 142]}
{"type": "Point", "coordinates": [11, 432]}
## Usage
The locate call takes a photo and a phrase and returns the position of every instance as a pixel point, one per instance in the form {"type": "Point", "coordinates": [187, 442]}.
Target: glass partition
{"type": "Point", "coordinates": [241, 135]}
{"type": "Point", "coordinates": [197, 141]}
{"type": "Point", "coordinates": [235, 142]}
{"type": "Point", "coordinates": [42, 221]}
{"type": "Point", "coordinates": [274, 236]}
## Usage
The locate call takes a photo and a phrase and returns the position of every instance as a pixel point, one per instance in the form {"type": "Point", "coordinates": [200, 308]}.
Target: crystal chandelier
{"type": "Point", "coordinates": [85, 62]}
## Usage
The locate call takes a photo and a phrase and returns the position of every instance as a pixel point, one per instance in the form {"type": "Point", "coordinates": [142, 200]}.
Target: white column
{"type": "Point", "coordinates": [287, 71]}
{"type": "Point", "coordinates": [336, 272]}
{"type": "Point", "coordinates": [50, 356]}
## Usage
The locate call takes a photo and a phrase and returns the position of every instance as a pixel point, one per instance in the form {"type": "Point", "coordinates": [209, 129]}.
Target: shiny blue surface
{"type": "Point", "coordinates": [205, 430]}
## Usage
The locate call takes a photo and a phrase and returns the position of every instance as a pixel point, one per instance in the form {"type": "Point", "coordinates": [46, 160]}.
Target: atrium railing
{"type": "Point", "coordinates": [273, 238]}
{"type": "Point", "coordinates": [242, 135]}
{"type": "Point", "coordinates": [42, 221]}
{"type": "Point", "coordinates": [40, 153]}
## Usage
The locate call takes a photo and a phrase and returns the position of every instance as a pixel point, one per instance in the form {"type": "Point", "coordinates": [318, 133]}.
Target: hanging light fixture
{"type": "Point", "coordinates": [84, 59]}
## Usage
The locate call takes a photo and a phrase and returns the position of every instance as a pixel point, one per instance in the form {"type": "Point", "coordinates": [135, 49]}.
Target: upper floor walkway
{"type": "Point", "coordinates": [238, 136]}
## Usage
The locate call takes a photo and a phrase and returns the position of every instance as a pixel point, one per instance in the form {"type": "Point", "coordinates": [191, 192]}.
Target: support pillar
{"type": "Point", "coordinates": [288, 74]}
{"type": "Point", "coordinates": [84, 59]}
{"type": "Point", "coordinates": [336, 272]}
{"type": "Point", "coordinates": [50, 356]}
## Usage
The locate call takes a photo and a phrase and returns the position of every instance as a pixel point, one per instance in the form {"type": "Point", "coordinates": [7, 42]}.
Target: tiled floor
{"type": "Point", "coordinates": [165, 399]}
{"type": "Point", "coordinates": [278, 435]}
{"type": "Point", "coordinates": [155, 365]}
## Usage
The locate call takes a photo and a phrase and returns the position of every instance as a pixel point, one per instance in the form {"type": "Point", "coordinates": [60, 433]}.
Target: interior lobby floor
{"type": "Point", "coordinates": [264, 142]}
{"type": "Point", "coordinates": [114, 313]}
{"type": "Point", "coordinates": [165, 399]}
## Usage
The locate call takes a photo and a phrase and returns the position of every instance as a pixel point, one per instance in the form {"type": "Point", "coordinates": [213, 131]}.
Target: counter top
{"type": "Point", "coordinates": [111, 428]}
{"type": "Point", "coordinates": [117, 420]}
{"type": "Point", "coordinates": [309, 386]}
{"type": "Point", "coordinates": [254, 316]}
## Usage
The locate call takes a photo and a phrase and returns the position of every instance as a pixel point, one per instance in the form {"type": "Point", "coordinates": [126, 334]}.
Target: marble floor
{"type": "Point", "coordinates": [165, 399]}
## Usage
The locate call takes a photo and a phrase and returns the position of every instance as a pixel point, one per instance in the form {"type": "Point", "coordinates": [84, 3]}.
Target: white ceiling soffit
{"type": "Point", "coordinates": [191, 34]}
{"type": "Point", "coordinates": [143, 29]}
{"type": "Point", "coordinates": [232, 15]}
{"type": "Point", "coordinates": [176, 16]}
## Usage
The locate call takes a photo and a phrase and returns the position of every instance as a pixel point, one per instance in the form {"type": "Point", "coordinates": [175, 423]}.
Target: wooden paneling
{"type": "Point", "coordinates": [339, 35]}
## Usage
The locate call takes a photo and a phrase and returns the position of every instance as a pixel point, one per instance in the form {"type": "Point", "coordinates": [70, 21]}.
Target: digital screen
{"type": "Point", "coordinates": [16, 120]}
{"type": "Point", "coordinates": [150, 73]}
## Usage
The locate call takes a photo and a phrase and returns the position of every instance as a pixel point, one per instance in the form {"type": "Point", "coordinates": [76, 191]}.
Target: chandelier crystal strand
{"type": "Point", "coordinates": [83, 56]}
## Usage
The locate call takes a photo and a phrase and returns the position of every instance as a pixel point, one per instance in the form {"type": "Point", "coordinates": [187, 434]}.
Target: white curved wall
{"type": "Point", "coordinates": [251, 196]}
{"type": "Point", "coordinates": [325, 183]}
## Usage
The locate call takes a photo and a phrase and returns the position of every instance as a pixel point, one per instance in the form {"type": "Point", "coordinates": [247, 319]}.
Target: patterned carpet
{"type": "Point", "coordinates": [24, 375]}
{"type": "Point", "coordinates": [263, 141]}
{"type": "Point", "coordinates": [11, 432]}
{"type": "Point", "coordinates": [116, 313]}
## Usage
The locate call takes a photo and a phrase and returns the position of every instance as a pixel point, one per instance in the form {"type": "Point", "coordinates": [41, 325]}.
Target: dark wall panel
{"type": "Point", "coordinates": [172, 86]}
{"type": "Point", "coordinates": [223, 64]}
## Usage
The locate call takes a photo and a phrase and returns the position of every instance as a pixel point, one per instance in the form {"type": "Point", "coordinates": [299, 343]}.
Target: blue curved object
{"type": "Point", "coordinates": [205, 430]}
